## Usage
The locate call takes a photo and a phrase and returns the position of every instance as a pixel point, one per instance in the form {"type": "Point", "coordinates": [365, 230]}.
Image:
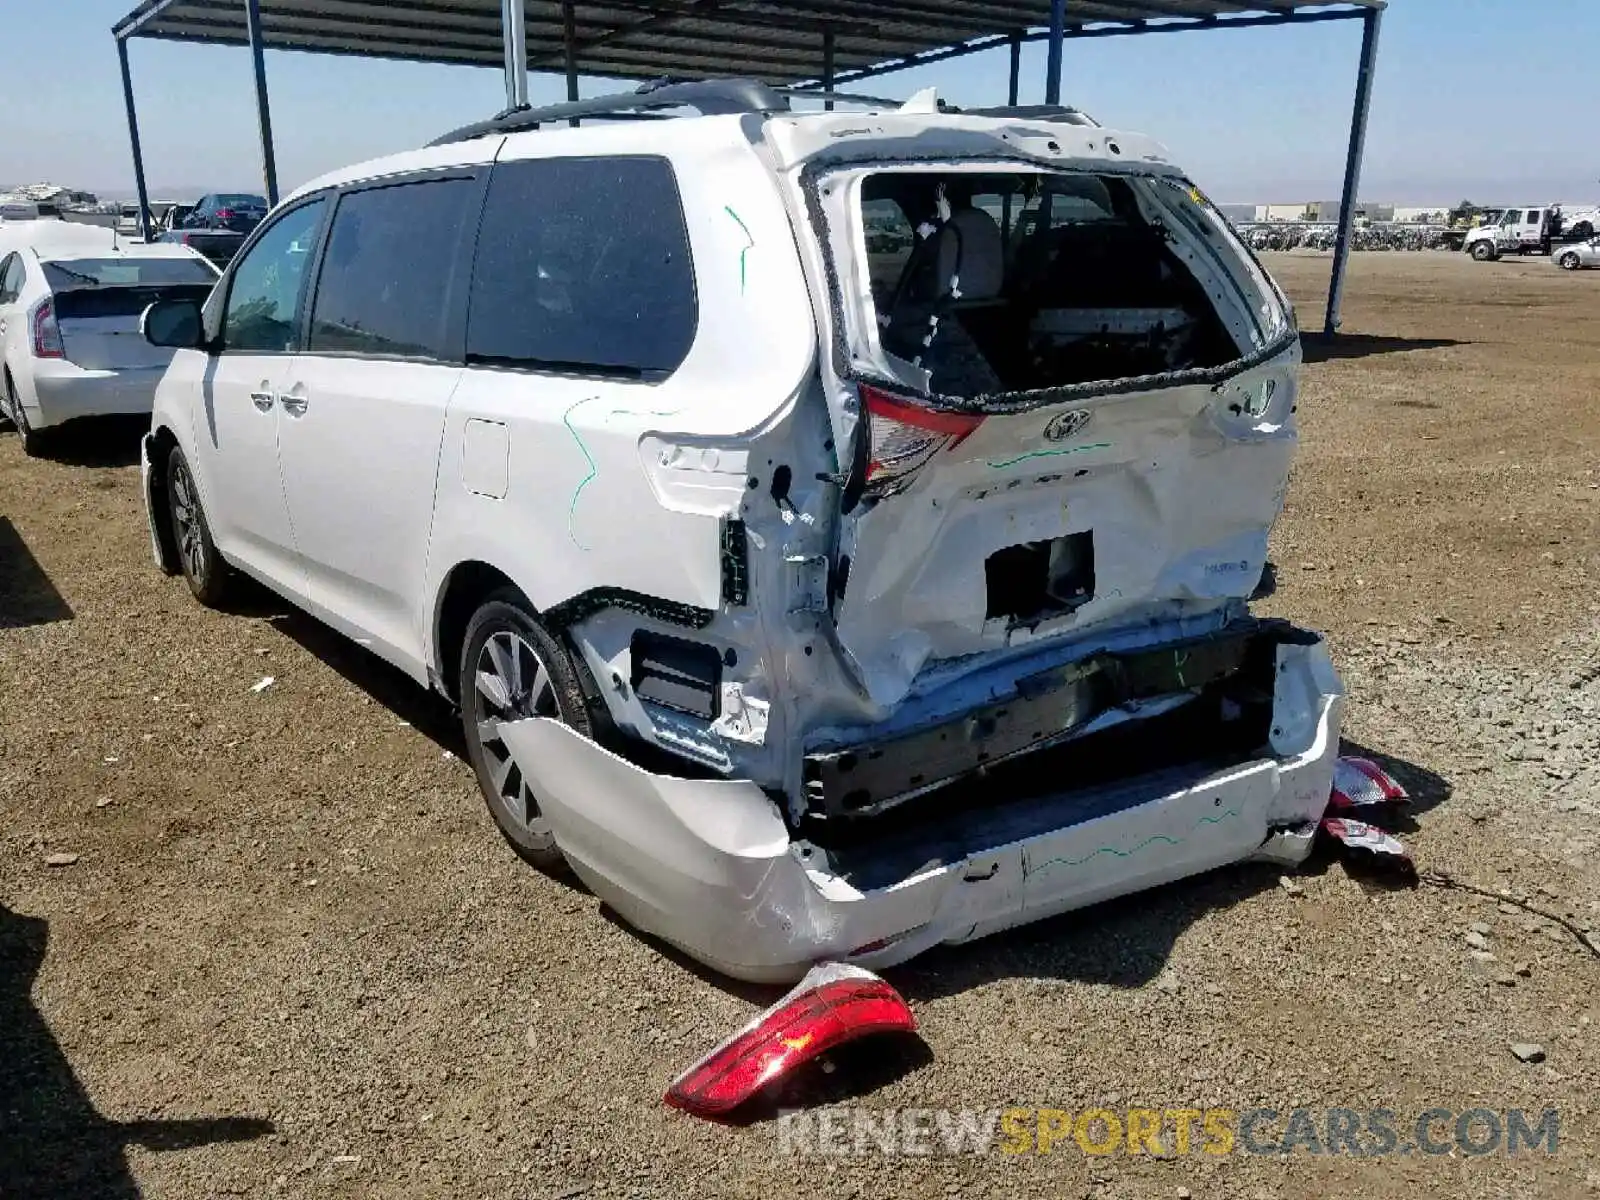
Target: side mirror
{"type": "Point", "coordinates": [173, 323]}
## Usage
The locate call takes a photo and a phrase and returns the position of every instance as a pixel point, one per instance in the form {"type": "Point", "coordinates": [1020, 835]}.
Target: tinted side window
{"type": "Point", "coordinates": [583, 264]}
{"type": "Point", "coordinates": [385, 281]}
{"type": "Point", "coordinates": [264, 297]}
{"type": "Point", "coordinates": [11, 275]}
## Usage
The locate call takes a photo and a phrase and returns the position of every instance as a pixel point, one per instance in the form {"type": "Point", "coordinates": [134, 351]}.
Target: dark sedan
{"type": "Point", "coordinates": [228, 210]}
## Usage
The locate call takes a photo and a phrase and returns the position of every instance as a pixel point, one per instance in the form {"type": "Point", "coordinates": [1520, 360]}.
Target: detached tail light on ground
{"type": "Point", "coordinates": [1362, 783]}
{"type": "Point", "coordinates": [904, 436]}
{"type": "Point", "coordinates": [47, 341]}
{"type": "Point", "coordinates": [833, 1004]}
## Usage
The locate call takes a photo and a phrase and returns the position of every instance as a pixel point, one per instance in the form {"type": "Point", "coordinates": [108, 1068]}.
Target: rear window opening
{"type": "Point", "coordinates": [85, 303]}
{"type": "Point", "coordinates": [1018, 281]}
{"type": "Point", "coordinates": [72, 274]}
{"type": "Point", "coordinates": [124, 287]}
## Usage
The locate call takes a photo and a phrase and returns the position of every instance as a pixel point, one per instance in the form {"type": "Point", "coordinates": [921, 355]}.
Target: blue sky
{"type": "Point", "coordinates": [1489, 99]}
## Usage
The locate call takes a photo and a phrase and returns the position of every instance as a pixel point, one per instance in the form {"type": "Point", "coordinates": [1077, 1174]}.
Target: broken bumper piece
{"type": "Point", "coordinates": [709, 865]}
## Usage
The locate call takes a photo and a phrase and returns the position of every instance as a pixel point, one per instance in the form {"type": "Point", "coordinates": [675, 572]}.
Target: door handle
{"type": "Point", "coordinates": [262, 400]}
{"type": "Point", "coordinates": [294, 405]}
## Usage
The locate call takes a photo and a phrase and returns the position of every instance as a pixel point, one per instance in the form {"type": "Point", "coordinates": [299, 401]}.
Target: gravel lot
{"type": "Point", "coordinates": [292, 957]}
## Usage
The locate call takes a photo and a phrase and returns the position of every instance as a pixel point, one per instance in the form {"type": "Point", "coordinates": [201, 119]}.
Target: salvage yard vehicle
{"type": "Point", "coordinates": [241, 212]}
{"type": "Point", "coordinates": [70, 303]}
{"type": "Point", "coordinates": [837, 529]}
{"type": "Point", "coordinates": [1531, 231]}
{"type": "Point", "coordinates": [1580, 256]}
{"type": "Point", "coordinates": [218, 246]}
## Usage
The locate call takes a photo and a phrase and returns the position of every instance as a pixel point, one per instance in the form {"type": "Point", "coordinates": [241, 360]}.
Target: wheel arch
{"type": "Point", "coordinates": [162, 445]}
{"type": "Point", "coordinates": [461, 593]}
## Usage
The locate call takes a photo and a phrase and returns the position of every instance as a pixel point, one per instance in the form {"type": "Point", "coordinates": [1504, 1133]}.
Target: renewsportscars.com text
{"type": "Point", "coordinates": [1168, 1132]}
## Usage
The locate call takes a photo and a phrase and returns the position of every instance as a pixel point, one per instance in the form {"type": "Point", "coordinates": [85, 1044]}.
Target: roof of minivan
{"type": "Point", "coordinates": [802, 134]}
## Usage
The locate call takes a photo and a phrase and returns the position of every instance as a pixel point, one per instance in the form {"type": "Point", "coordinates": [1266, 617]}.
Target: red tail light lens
{"type": "Point", "coordinates": [224, 213]}
{"type": "Point", "coordinates": [905, 436]}
{"type": "Point", "coordinates": [1362, 783]}
{"type": "Point", "coordinates": [46, 333]}
{"type": "Point", "coordinates": [833, 1004]}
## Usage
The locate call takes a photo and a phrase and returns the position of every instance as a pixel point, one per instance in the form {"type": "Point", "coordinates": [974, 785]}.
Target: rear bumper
{"type": "Point", "coordinates": [64, 391]}
{"type": "Point", "coordinates": [709, 866]}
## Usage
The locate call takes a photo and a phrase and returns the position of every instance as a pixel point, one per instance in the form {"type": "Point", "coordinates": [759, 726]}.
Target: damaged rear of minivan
{"type": "Point", "coordinates": [1021, 675]}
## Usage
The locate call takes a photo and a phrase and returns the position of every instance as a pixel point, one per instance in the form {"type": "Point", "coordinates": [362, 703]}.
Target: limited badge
{"type": "Point", "coordinates": [1065, 425]}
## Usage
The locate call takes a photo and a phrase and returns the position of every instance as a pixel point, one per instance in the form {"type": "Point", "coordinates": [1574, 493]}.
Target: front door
{"type": "Point", "coordinates": [237, 417]}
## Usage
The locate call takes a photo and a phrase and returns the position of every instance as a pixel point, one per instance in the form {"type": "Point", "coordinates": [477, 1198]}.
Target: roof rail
{"type": "Point", "coordinates": [1033, 112]}
{"type": "Point", "coordinates": [710, 97]}
{"type": "Point", "coordinates": [802, 93]}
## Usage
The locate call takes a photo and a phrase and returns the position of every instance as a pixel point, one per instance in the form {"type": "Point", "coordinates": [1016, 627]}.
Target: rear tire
{"type": "Point", "coordinates": [33, 442]}
{"type": "Point", "coordinates": [1483, 251]}
{"type": "Point", "coordinates": [512, 667]}
{"type": "Point", "coordinates": [203, 568]}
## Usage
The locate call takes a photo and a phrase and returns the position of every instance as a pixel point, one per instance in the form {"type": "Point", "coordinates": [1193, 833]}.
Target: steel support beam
{"type": "Point", "coordinates": [269, 155]}
{"type": "Point", "coordinates": [133, 140]}
{"type": "Point", "coordinates": [1052, 71]}
{"type": "Point", "coordinates": [1012, 89]}
{"type": "Point", "coordinates": [569, 51]}
{"type": "Point", "coordinates": [1012, 92]}
{"type": "Point", "coordinates": [979, 44]}
{"type": "Point", "coordinates": [1370, 25]}
{"type": "Point", "coordinates": [514, 31]}
{"type": "Point", "coordinates": [827, 67]}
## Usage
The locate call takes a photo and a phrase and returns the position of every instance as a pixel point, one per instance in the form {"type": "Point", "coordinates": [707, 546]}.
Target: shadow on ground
{"type": "Point", "coordinates": [27, 597]}
{"type": "Point", "coordinates": [52, 1140]}
{"type": "Point", "coordinates": [420, 707]}
{"type": "Point", "coordinates": [101, 442]}
{"type": "Point", "coordinates": [1320, 348]}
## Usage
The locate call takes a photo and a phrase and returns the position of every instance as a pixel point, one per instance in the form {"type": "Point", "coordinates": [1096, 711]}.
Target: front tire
{"type": "Point", "coordinates": [511, 667]}
{"type": "Point", "coordinates": [1570, 262]}
{"type": "Point", "coordinates": [1482, 251]}
{"type": "Point", "coordinates": [203, 568]}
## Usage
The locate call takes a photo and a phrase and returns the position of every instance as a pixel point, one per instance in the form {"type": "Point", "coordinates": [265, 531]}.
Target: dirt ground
{"type": "Point", "coordinates": [292, 957]}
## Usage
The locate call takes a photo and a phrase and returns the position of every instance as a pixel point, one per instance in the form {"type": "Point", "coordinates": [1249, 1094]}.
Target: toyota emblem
{"type": "Point", "coordinates": [1065, 425]}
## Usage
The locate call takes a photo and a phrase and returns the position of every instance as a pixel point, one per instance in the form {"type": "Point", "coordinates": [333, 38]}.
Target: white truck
{"type": "Point", "coordinates": [1531, 230]}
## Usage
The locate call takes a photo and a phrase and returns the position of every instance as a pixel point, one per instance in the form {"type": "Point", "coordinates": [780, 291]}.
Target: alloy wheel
{"type": "Point", "coordinates": [510, 683]}
{"type": "Point", "coordinates": [186, 522]}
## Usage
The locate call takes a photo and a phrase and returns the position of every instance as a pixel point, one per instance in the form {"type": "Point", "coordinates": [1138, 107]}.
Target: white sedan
{"type": "Point", "coordinates": [71, 298]}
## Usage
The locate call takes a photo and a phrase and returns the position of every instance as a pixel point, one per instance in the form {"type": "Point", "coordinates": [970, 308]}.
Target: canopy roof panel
{"type": "Point", "coordinates": [688, 39]}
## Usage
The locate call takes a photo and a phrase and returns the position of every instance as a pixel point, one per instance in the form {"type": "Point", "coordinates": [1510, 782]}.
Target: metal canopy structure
{"type": "Point", "coordinates": [820, 43]}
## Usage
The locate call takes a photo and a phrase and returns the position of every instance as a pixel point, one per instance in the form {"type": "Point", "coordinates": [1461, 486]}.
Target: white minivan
{"type": "Point", "coordinates": [836, 528]}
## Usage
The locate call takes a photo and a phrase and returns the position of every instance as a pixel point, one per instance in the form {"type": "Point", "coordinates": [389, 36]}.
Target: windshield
{"type": "Point", "coordinates": [241, 200]}
{"type": "Point", "coordinates": [70, 274]}
{"type": "Point", "coordinates": [976, 282]}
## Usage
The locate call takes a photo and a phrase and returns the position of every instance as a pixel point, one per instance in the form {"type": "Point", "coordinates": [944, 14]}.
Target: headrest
{"type": "Point", "coordinates": [971, 250]}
